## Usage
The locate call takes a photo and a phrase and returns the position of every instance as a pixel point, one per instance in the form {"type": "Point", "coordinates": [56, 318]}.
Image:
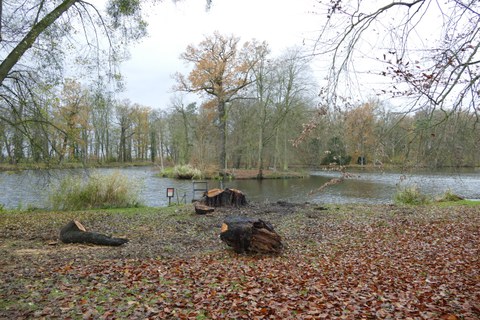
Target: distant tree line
{"type": "Point", "coordinates": [88, 125]}
{"type": "Point", "coordinates": [371, 133]}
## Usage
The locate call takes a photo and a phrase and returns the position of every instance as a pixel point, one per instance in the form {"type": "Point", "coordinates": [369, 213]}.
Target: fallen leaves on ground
{"type": "Point", "coordinates": [347, 262]}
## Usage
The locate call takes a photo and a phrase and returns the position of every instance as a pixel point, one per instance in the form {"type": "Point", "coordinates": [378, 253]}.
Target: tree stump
{"type": "Point", "coordinates": [250, 235]}
{"type": "Point", "coordinates": [75, 232]}
{"type": "Point", "coordinates": [221, 198]}
{"type": "Point", "coordinates": [202, 209]}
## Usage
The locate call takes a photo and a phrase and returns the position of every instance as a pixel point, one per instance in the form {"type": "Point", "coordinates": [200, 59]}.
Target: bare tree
{"type": "Point", "coordinates": [124, 112]}
{"type": "Point", "coordinates": [182, 126]}
{"type": "Point", "coordinates": [429, 48]}
{"type": "Point", "coordinates": [282, 85]}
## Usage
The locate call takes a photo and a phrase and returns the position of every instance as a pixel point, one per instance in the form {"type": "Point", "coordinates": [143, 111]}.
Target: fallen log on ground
{"type": "Point", "coordinates": [75, 232]}
{"type": "Point", "coordinates": [221, 198]}
{"type": "Point", "coordinates": [250, 235]}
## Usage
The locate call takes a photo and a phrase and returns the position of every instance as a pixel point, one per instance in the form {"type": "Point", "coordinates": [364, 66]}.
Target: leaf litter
{"type": "Point", "coordinates": [344, 262]}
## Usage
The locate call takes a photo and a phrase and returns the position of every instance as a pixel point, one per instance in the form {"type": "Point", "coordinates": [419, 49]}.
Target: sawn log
{"type": "Point", "coordinates": [75, 232]}
{"type": "Point", "coordinates": [245, 234]}
{"type": "Point", "coordinates": [202, 209]}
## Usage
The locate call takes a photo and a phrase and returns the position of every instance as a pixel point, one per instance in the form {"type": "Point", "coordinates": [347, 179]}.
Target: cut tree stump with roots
{"type": "Point", "coordinates": [221, 198]}
{"type": "Point", "coordinates": [75, 232]}
{"type": "Point", "coordinates": [250, 235]}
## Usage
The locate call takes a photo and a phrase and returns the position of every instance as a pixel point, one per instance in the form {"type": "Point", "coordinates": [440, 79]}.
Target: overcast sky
{"type": "Point", "coordinates": [172, 27]}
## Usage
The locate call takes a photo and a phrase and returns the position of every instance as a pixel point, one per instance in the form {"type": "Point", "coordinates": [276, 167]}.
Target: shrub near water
{"type": "Point", "coordinates": [449, 196]}
{"type": "Point", "coordinates": [186, 172]}
{"type": "Point", "coordinates": [98, 191]}
{"type": "Point", "coordinates": [410, 195]}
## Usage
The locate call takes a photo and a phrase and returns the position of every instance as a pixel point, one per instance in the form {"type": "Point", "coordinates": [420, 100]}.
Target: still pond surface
{"type": "Point", "coordinates": [30, 188]}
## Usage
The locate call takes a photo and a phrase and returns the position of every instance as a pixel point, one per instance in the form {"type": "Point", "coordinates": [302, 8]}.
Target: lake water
{"type": "Point", "coordinates": [30, 188]}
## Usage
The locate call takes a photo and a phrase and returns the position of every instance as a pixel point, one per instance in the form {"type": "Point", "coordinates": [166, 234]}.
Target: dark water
{"type": "Point", "coordinates": [30, 188]}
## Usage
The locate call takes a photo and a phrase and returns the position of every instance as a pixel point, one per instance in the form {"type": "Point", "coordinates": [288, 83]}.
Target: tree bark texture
{"type": "Point", "coordinates": [221, 198]}
{"type": "Point", "coordinates": [75, 232]}
{"type": "Point", "coordinates": [245, 234]}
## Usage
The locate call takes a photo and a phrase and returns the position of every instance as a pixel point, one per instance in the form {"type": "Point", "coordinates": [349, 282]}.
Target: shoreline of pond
{"type": "Point", "coordinates": [358, 186]}
{"type": "Point", "coordinates": [294, 172]}
{"type": "Point", "coordinates": [5, 167]}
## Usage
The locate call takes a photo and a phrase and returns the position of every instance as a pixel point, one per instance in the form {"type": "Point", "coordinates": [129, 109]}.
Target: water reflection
{"type": "Point", "coordinates": [30, 188]}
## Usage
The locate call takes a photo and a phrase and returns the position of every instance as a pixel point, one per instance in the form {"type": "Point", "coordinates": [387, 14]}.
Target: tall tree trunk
{"type": "Point", "coordinates": [153, 146]}
{"type": "Point", "coordinates": [63, 150]}
{"type": "Point", "coordinates": [260, 154]}
{"type": "Point", "coordinates": [161, 151]}
{"type": "Point", "coordinates": [186, 151]}
{"type": "Point", "coordinates": [26, 43]}
{"type": "Point", "coordinates": [8, 149]}
{"type": "Point", "coordinates": [18, 134]}
{"type": "Point", "coordinates": [107, 145]}
{"type": "Point", "coordinates": [285, 147]}
{"type": "Point", "coordinates": [128, 151]}
{"type": "Point", "coordinates": [84, 147]}
{"type": "Point", "coordinates": [261, 138]}
{"type": "Point", "coordinates": [275, 154]}
{"type": "Point", "coordinates": [123, 145]}
{"type": "Point", "coordinates": [222, 157]}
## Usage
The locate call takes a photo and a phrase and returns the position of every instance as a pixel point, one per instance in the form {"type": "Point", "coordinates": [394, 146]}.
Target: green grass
{"type": "Point", "coordinates": [468, 203]}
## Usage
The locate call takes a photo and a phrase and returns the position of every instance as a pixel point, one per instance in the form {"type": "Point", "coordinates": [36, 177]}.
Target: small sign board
{"type": "Point", "coordinates": [170, 194]}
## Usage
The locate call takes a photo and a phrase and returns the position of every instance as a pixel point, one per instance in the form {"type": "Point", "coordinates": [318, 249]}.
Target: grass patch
{"type": "Point", "coordinates": [184, 172]}
{"type": "Point", "coordinates": [410, 195]}
{"type": "Point", "coordinates": [187, 172]}
{"type": "Point", "coordinates": [166, 172]}
{"type": "Point", "coordinates": [468, 203]}
{"type": "Point", "coordinates": [98, 191]}
{"type": "Point", "coordinates": [449, 196]}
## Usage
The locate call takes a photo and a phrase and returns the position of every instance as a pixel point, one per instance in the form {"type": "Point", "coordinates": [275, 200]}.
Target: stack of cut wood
{"type": "Point", "coordinates": [221, 198]}
{"type": "Point", "coordinates": [245, 234]}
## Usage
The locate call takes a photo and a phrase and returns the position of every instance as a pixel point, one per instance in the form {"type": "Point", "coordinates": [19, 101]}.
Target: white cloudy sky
{"type": "Point", "coordinates": [282, 23]}
{"type": "Point", "coordinates": [172, 27]}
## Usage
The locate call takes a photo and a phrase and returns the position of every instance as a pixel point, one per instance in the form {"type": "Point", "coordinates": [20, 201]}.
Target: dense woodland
{"type": "Point", "coordinates": [253, 110]}
{"type": "Point", "coordinates": [89, 126]}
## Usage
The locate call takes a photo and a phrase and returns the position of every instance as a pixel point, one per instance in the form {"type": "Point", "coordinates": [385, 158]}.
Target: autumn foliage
{"type": "Point", "coordinates": [347, 262]}
{"type": "Point", "coordinates": [222, 69]}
